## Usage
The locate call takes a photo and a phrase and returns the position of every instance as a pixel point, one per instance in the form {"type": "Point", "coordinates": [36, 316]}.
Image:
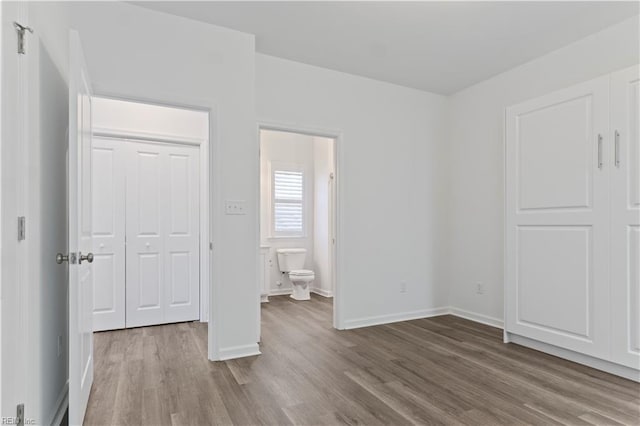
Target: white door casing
{"type": "Point", "coordinates": [557, 218]}
{"type": "Point", "coordinates": [108, 177]}
{"type": "Point", "coordinates": [80, 234]}
{"type": "Point", "coordinates": [162, 272]}
{"type": "Point", "coordinates": [625, 216]}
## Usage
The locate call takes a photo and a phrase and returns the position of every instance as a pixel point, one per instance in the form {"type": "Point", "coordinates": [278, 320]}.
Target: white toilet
{"type": "Point", "coordinates": [291, 260]}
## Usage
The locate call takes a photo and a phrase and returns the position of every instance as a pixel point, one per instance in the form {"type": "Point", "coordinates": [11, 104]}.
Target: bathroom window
{"type": "Point", "coordinates": [288, 202]}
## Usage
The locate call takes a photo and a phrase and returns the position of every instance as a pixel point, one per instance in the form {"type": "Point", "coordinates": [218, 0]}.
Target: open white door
{"type": "Point", "coordinates": [80, 239]}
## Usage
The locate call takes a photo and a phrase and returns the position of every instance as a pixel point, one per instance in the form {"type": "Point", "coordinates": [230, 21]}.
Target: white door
{"type": "Point", "coordinates": [182, 233]}
{"type": "Point", "coordinates": [162, 234]}
{"type": "Point", "coordinates": [557, 218]}
{"type": "Point", "coordinates": [145, 245]}
{"type": "Point", "coordinates": [80, 238]}
{"type": "Point", "coordinates": [625, 216]}
{"type": "Point", "coordinates": [108, 178]}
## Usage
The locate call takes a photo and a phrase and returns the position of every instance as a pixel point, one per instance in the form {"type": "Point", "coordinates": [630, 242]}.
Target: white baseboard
{"type": "Point", "coordinates": [386, 319]}
{"type": "Point", "coordinates": [281, 292]}
{"type": "Point", "coordinates": [589, 361]}
{"type": "Point", "coordinates": [472, 316]}
{"type": "Point", "coordinates": [60, 408]}
{"type": "Point", "coordinates": [322, 292]}
{"type": "Point", "coordinates": [239, 352]}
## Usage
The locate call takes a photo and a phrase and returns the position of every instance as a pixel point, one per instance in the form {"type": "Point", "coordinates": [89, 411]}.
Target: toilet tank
{"type": "Point", "coordinates": [290, 259]}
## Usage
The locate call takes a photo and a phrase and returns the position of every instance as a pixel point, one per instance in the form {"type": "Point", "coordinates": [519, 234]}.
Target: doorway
{"type": "Point", "coordinates": [298, 215]}
{"type": "Point", "coordinates": [148, 186]}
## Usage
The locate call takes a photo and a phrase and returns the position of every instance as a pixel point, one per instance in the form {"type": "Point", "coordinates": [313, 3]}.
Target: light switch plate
{"type": "Point", "coordinates": [235, 207]}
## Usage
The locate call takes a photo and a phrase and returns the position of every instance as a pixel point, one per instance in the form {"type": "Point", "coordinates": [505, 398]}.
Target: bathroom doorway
{"type": "Point", "coordinates": [298, 217]}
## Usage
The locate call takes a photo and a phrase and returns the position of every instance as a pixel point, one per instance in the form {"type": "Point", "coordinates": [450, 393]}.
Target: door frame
{"type": "Point", "coordinates": [213, 206]}
{"type": "Point", "coordinates": [204, 174]}
{"type": "Point", "coordinates": [337, 215]}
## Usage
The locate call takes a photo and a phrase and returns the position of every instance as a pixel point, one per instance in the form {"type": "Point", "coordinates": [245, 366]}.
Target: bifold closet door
{"type": "Point", "coordinates": [162, 211]}
{"type": "Point", "coordinates": [108, 212]}
{"type": "Point", "coordinates": [625, 216]}
{"type": "Point", "coordinates": [557, 215]}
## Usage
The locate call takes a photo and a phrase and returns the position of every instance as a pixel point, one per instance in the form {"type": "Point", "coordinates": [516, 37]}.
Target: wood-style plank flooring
{"type": "Point", "coordinates": [442, 370]}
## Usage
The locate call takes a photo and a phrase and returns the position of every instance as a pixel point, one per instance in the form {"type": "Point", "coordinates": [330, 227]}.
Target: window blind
{"type": "Point", "coordinates": [288, 202]}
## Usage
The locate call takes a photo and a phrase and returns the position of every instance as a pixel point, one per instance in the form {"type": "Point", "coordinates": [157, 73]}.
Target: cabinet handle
{"type": "Point", "coordinates": [617, 148]}
{"type": "Point", "coordinates": [600, 151]}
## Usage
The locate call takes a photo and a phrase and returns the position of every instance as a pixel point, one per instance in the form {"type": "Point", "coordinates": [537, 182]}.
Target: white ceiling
{"type": "Point", "coordinates": [441, 47]}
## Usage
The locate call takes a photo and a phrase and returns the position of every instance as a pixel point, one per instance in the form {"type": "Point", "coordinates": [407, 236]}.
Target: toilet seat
{"type": "Point", "coordinates": [300, 273]}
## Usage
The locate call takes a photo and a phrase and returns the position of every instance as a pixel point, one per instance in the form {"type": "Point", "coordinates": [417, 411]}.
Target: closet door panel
{"type": "Point", "coordinates": [625, 217]}
{"type": "Point", "coordinates": [557, 219]}
{"type": "Point", "coordinates": [181, 201]}
{"type": "Point", "coordinates": [145, 248]}
{"type": "Point", "coordinates": [108, 180]}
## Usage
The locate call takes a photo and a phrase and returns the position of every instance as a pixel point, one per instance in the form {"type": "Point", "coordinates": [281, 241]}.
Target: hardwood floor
{"type": "Point", "coordinates": [442, 370]}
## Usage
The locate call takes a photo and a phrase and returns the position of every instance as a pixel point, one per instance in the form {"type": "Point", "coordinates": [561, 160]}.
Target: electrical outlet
{"type": "Point", "coordinates": [403, 287]}
{"type": "Point", "coordinates": [59, 345]}
{"type": "Point", "coordinates": [479, 288]}
{"type": "Point", "coordinates": [237, 207]}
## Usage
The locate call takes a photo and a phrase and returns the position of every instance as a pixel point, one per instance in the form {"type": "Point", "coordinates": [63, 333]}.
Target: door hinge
{"type": "Point", "coordinates": [21, 30]}
{"type": "Point", "coordinates": [20, 415]}
{"type": "Point", "coordinates": [22, 228]}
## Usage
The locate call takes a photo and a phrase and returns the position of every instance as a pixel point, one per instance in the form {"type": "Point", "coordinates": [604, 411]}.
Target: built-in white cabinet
{"type": "Point", "coordinates": [625, 217]}
{"type": "Point", "coordinates": [572, 235]}
{"type": "Point", "coordinates": [146, 233]}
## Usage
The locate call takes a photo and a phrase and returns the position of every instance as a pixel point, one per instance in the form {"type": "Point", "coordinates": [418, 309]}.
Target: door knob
{"type": "Point", "coordinates": [88, 257]}
{"type": "Point", "coordinates": [61, 258]}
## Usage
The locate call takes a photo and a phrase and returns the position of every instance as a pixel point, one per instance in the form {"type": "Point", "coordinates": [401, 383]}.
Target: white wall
{"type": "Point", "coordinates": [389, 176]}
{"type": "Point", "coordinates": [323, 166]}
{"type": "Point", "coordinates": [34, 186]}
{"type": "Point", "coordinates": [49, 206]}
{"type": "Point", "coordinates": [476, 173]}
{"type": "Point", "coordinates": [13, 388]}
{"type": "Point", "coordinates": [289, 148]}
{"type": "Point", "coordinates": [154, 56]}
{"type": "Point", "coordinates": [142, 60]}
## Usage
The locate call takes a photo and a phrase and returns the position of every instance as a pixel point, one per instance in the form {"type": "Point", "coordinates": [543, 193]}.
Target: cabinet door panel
{"type": "Point", "coordinates": [557, 219]}
{"type": "Point", "coordinates": [625, 217]}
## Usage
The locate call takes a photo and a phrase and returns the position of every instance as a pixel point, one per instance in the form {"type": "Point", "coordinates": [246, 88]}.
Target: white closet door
{"type": "Point", "coordinates": [108, 178]}
{"type": "Point", "coordinates": [557, 215]}
{"type": "Point", "coordinates": [625, 216]}
{"type": "Point", "coordinates": [145, 245]}
{"type": "Point", "coordinates": [163, 281]}
{"type": "Point", "coordinates": [182, 224]}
